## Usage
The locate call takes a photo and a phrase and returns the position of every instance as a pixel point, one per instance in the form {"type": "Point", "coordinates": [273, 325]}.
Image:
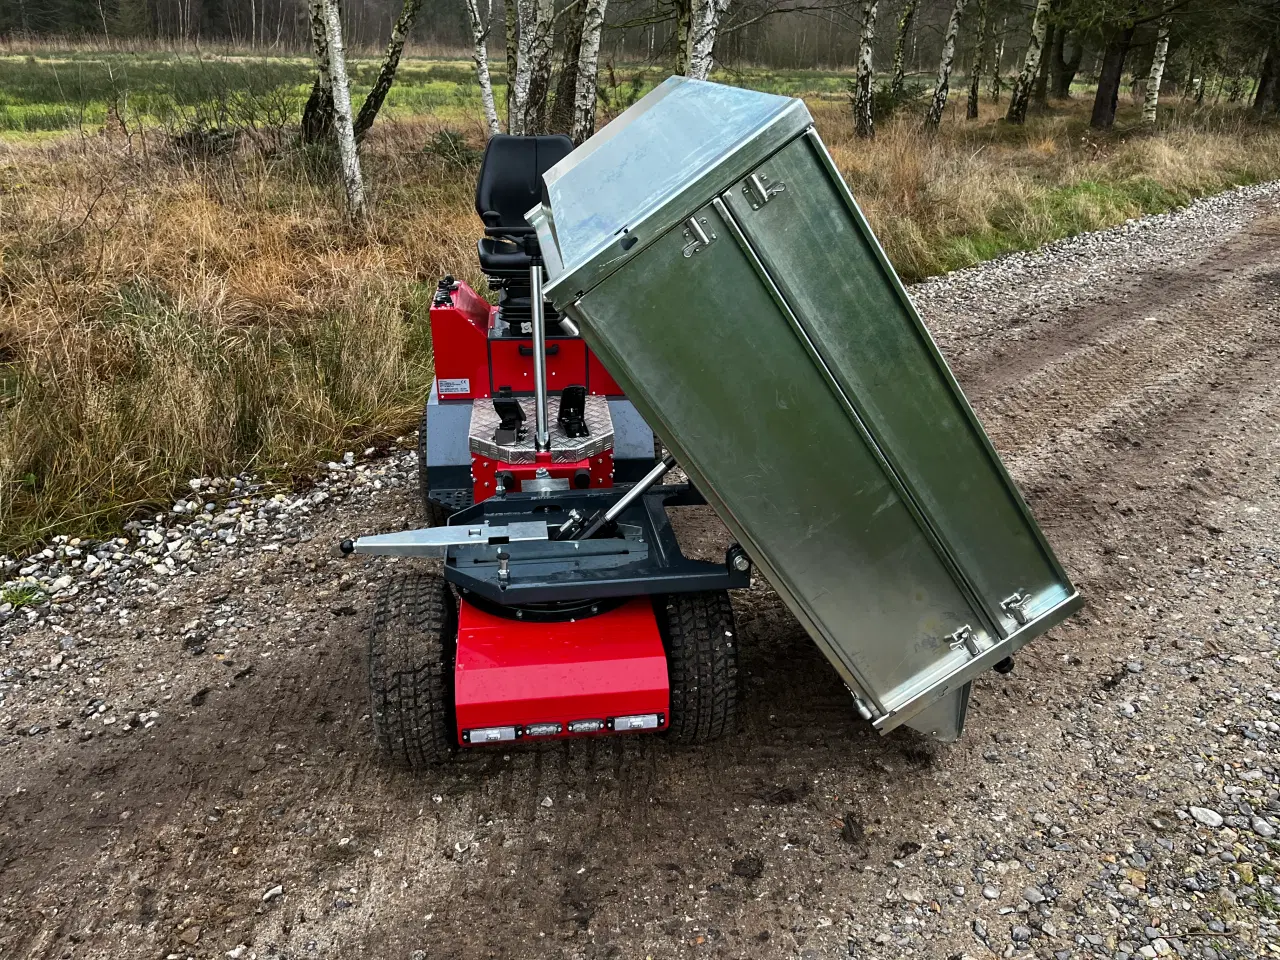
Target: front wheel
{"type": "Point", "coordinates": [702, 664]}
{"type": "Point", "coordinates": [412, 645]}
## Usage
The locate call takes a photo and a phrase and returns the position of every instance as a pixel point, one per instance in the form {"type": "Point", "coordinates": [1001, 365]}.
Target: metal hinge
{"type": "Point", "coordinates": [964, 638]}
{"type": "Point", "coordinates": [759, 191]}
{"type": "Point", "coordinates": [1016, 607]}
{"type": "Point", "coordinates": [696, 228]}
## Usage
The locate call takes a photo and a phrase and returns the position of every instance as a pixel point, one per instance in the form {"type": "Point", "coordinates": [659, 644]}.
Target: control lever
{"type": "Point", "coordinates": [604, 520]}
{"type": "Point", "coordinates": [573, 411]}
{"type": "Point", "coordinates": [511, 415]}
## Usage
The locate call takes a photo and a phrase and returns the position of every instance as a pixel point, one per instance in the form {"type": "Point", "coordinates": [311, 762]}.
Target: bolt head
{"type": "Point", "coordinates": [741, 563]}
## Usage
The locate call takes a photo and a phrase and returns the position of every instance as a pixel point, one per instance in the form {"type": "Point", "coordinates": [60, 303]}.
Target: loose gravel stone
{"type": "Point", "coordinates": [1210, 818]}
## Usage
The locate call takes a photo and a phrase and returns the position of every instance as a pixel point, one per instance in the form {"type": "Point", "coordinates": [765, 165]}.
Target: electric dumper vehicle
{"type": "Point", "coordinates": [695, 274]}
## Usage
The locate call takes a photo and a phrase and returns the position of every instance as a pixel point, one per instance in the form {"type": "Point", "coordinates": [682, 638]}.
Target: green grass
{"type": "Point", "coordinates": [76, 91]}
{"type": "Point", "coordinates": [21, 594]}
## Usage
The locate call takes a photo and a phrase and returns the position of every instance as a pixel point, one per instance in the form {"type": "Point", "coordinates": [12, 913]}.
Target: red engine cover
{"type": "Point", "coordinates": [460, 341]}
{"type": "Point", "coordinates": [511, 364]}
{"type": "Point", "coordinates": [513, 673]}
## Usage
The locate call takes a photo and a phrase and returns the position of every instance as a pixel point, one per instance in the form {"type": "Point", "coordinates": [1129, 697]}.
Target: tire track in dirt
{"type": "Point", "coordinates": [1164, 353]}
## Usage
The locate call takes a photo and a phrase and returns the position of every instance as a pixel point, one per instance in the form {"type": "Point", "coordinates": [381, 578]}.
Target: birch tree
{"type": "Point", "coordinates": [574, 17]}
{"type": "Point", "coordinates": [997, 62]}
{"type": "Point", "coordinates": [900, 47]}
{"type": "Point", "coordinates": [533, 65]}
{"type": "Point", "coordinates": [317, 115]}
{"type": "Point", "coordinates": [707, 15]}
{"type": "Point", "coordinates": [1266, 98]}
{"type": "Point", "coordinates": [512, 21]}
{"type": "Point", "coordinates": [1021, 94]}
{"type": "Point", "coordinates": [348, 152]}
{"type": "Point", "coordinates": [584, 98]}
{"type": "Point", "coordinates": [387, 71]}
{"type": "Point", "coordinates": [863, 94]}
{"type": "Point", "coordinates": [943, 85]}
{"type": "Point", "coordinates": [684, 20]}
{"type": "Point", "coordinates": [480, 57]}
{"type": "Point", "coordinates": [1152, 101]}
{"type": "Point", "coordinates": [979, 55]}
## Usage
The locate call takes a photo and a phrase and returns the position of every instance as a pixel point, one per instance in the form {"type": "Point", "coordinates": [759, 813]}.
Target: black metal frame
{"type": "Point", "coordinates": [644, 560]}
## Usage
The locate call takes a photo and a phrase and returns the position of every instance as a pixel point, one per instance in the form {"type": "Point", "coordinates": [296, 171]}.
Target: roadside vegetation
{"type": "Point", "coordinates": [181, 292]}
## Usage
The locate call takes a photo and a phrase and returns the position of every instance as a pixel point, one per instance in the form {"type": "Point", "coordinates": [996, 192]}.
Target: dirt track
{"type": "Point", "coordinates": [1141, 421]}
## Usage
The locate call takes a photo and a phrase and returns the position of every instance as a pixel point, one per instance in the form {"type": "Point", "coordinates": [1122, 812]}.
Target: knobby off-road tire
{"type": "Point", "coordinates": [437, 515]}
{"type": "Point", "coordinates": [702, 663]}
{"type": "Point", "coordinates": [412, 645]}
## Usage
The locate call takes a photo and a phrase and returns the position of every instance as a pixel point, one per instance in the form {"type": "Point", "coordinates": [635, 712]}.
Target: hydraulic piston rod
{"type": "Point", "coordinates": [584, 528]}
{"type": "Point", "coordinates": [542, 435]}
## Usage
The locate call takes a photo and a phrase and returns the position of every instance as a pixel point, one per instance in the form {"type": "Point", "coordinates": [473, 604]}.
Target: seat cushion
{"type": "Point", "coordinates": [497, 256]}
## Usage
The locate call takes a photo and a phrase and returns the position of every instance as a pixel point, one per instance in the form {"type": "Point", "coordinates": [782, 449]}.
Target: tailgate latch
{"type": "Point", "coordinates": [1016, 607]}
{"type": "Point", "coordinates": [696, 232]}
{"type": "Point", "coordinates": [964, 639]}
{"type": "Point", "coordinates": [759, 190]}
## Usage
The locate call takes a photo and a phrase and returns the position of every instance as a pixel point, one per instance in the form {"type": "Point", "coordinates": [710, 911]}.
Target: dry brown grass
{"type": "Point", "coordinates": [975, 190]}
{"type": "Point", "coordinates": [163, 317]}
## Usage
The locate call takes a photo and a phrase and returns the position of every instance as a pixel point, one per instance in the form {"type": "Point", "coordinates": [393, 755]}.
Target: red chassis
{"type": "Point", "coordinates": [605, 673]}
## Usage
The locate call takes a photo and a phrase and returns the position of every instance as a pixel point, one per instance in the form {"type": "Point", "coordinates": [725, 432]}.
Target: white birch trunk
{"type": "Point", "coordinates": [684, 15]}
{"type": "Point", "coordinates": [998, 65]}
{"type": "Point", "coordinates": [1152, 101]}
{"type": "Point", "coordinates": [943, 85]}
{"type": "Point", "coordinates": [319, 41]}
{"type": "Point", "coordinates": [342, 122]}
{"type": "Point", "coordinates": [541, 53]}
{"type": "Point", "coordinates": [480, 56]}
{"type": "Point", "coordinates": [900, 47]}
{"type": "Point", "coordinates": [863, 122]}
{"type": "Point", "coordinates": [512, 20]}
{"type": "Point", "coordinates": [702, 36]}
{"type": "Point", "coordinates": [979, 62]}
{"type": "Point", "coordinates": [518, 101]}
{"type": "Point", "coordinates": [1021, 94]}
{"type": "Point", "coordinates": [390, 64]}
{"type": "Point", "coordinates": [584, 96]}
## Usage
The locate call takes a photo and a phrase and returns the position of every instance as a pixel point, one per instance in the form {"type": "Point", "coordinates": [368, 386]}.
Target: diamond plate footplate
{"type": "Point", "coordinates": [485, 423]}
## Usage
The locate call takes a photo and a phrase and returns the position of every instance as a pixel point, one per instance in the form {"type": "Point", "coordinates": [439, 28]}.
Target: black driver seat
{"type": "Point", "coordinates": [510, 185]}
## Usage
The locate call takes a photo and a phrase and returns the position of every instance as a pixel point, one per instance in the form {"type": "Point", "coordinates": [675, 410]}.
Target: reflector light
{"type": "Point", "coordinates": [586, 726]}
{"type": "Point", "coordinates": [541, 729]}
{"type": "Point", "coordinates": [644, 721]}
{"type": "Point", "coordinates": [490, 734]}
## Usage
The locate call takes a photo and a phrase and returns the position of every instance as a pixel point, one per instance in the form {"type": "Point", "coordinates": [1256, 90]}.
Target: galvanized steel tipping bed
{"type": "Point", "coordinates": [714, 259]}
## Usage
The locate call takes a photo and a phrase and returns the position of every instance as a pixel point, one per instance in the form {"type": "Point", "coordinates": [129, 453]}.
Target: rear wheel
{"type": "Point", "coordinates": [412, 645]}
{"type": "Point", "coordinates": [702, 664]}
{"type": "Point", "coordinates": [437, 515]}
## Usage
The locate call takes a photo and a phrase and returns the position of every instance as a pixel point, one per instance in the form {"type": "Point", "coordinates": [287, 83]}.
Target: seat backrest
{"type": "Point", "coordinates": [510, 181]}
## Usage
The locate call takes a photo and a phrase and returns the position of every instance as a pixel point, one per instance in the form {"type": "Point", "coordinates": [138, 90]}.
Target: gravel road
{"type": "Point", "coordinates": [187, 770]}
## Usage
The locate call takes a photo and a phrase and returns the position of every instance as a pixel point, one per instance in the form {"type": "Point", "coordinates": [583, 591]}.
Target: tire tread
{"type": "Point", "coordinates": [411, 649]}
{"type": "Point", "coordinates": [702, 663]}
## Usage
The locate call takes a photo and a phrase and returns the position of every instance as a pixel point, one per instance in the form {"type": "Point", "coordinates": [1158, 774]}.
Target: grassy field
{"type": "Point", "coordinates": [176, 302]}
